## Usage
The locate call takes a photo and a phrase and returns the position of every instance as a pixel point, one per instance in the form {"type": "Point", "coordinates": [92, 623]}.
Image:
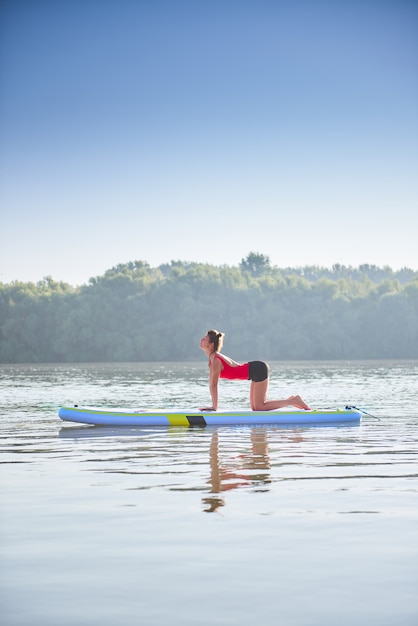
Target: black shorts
{"type": "Point", "coordinates": [258, 371]}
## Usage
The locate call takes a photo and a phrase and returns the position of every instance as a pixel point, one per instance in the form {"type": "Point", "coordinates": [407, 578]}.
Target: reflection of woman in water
{"type": "Point", "coordinates": [227, 476]}
{"type": "Point", "coordinates": [221, 366]}
{"type": "Point", "coordinates": [241, 470]}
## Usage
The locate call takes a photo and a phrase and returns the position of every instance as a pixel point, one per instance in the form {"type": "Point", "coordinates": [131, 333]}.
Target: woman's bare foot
{"type": "Point", "coordinates": [298, 403]}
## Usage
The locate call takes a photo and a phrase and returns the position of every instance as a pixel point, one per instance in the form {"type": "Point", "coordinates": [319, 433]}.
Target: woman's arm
{"type": "Point", "coordinates": [215, 371]}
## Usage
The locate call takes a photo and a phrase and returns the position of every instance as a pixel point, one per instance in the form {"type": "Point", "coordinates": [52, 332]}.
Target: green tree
{"type": "Point", "coordinates": [138, 313]}
{"type": "Point", "coordinates": [256, 264]}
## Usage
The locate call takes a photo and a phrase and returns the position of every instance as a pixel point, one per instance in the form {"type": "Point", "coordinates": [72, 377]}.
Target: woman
{"type": "Point", "coordinates": [221, 366]}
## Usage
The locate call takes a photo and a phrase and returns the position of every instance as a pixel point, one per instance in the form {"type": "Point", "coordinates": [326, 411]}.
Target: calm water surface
{"type": "Point", "coordinates": [229, 525]}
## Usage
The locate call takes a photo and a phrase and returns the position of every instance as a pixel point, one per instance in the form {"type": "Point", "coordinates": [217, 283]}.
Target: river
{"type": "Point", "coordinates": [204, 526]}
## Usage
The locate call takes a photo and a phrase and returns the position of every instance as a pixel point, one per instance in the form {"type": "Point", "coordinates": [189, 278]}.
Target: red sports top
{"type": "Point", "coordinates": [237, 372]}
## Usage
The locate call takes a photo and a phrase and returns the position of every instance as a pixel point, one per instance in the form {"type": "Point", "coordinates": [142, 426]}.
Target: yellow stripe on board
{"type": "Point", "coordinates": [177, 419]}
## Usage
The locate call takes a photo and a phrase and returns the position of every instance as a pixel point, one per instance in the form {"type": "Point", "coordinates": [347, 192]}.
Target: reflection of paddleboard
{"type": "Point", "coordinates": [185, 417]}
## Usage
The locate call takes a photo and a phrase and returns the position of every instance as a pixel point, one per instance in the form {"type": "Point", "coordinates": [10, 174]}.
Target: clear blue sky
{"type": "Point", "coordinates": [162, 130]}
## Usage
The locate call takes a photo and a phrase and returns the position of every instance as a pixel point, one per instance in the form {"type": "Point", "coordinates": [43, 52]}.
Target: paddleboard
{"type": "Point", "coordinates": [185, 417]}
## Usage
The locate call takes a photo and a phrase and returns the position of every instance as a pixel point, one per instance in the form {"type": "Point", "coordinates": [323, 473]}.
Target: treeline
{"type": "Point", "coordinates": [138, 313]}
